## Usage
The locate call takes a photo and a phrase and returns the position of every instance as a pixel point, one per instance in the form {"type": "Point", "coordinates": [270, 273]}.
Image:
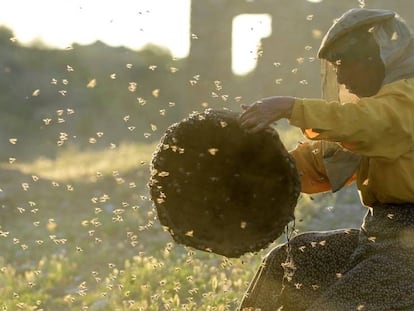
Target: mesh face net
{"type": "Point", "coordinates": [217, 188]}
{"type": "Point", "coordinates": [358, 45]}
{"type": "Point", "coordinates": [389, 32]}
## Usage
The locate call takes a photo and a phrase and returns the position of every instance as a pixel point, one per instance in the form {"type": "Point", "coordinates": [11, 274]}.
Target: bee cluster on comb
{"type": "Point", "coordinates": [220, 189]}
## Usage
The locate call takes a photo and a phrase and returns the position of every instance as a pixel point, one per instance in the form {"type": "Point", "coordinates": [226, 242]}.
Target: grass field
{"type": "Point", "coordinates": [79, 233]}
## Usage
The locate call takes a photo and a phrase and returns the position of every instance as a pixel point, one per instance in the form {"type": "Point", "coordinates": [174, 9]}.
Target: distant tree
{"type": "Point", "coordinates": [5, 34]}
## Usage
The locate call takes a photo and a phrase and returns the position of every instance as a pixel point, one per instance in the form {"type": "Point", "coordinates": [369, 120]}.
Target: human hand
{"type": "Point", "coordinates": [259, 115]}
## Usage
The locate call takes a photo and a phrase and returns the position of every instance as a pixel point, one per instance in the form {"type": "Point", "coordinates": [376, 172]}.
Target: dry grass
{"type": "Point", "coordinates": [72, 165]}
{"type": "Point", "coordinates": [84, 235]}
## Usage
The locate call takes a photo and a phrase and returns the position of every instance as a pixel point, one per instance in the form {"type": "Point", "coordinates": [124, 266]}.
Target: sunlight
{"type": "Point", "coordinates": [248, 30]}
{"type": "Point", "coordinates": [129, 23]}
{"type": "Point", "coordinates": [122, 23]}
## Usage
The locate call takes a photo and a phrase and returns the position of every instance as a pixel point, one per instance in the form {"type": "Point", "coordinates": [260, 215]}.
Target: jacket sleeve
{"type": "Point", "coordinates": [379, 126]}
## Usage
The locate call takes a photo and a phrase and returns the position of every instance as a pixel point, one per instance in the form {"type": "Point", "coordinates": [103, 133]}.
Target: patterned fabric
{"type": "Point", "coordinates": [371, 269]}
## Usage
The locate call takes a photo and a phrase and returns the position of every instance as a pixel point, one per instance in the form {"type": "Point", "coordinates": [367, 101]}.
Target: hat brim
{"type": "Point", "coordinates": [350, 21]}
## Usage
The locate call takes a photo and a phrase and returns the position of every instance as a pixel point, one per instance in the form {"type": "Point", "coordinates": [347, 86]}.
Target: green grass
{"type": "Point", "coordinates": [80, 233]}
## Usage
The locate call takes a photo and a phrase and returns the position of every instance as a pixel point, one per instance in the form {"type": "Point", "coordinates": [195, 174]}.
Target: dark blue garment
{"type": "Point", "coordinates": [367, 269]}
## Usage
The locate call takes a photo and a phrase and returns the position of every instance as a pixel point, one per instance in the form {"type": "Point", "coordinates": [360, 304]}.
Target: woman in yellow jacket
{"type": "Point", "coordinates": [369, 140]}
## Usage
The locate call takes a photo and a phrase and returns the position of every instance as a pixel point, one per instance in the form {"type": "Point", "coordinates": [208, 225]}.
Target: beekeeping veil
{"type": "Point", "coordinates": [396, 47]}
{"type": "Point", "coordinates": [391, 34]}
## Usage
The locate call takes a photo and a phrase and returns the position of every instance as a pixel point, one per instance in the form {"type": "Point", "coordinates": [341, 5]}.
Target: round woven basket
{"type": "Point", "coordinates": [220, 189]}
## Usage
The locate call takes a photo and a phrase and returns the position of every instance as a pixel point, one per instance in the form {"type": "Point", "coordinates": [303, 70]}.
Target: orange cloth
{"type": "Point", "coordinates": [311, 169]}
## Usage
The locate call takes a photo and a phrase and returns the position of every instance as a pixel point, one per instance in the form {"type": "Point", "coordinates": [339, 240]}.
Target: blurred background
{"type": "Point", "coordinates": [87, 89]}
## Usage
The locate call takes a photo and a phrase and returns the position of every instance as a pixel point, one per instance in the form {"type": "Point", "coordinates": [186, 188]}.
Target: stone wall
{"type": "Point", "coordinates": [297, 29]}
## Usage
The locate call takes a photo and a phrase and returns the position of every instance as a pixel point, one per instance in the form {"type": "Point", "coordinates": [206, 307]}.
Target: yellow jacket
{"type": "Point", "coordinates": [379, 128]}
